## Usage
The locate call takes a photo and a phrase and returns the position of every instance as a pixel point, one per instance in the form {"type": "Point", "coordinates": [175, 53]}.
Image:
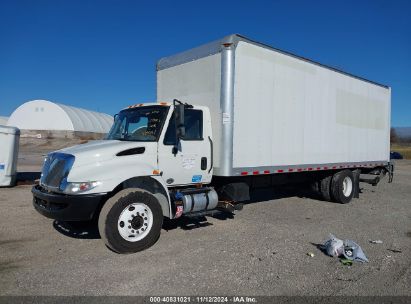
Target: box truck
{"type": "Point", "coordinates": [231, 114]}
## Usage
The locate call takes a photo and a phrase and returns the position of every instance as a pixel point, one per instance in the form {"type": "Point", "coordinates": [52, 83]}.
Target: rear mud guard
{"type": "Point", "coordinates": [390, 169]}
{"type": "Point", "coordinates": [356, 174]}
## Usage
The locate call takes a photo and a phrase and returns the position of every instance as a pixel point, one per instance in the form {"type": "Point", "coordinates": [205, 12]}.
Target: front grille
{"type": "Point", "coordinates": [55, 170]}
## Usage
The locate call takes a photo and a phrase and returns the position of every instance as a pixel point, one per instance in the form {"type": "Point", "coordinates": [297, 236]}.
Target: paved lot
{"type": "Point", "coordinates": [261, 251]}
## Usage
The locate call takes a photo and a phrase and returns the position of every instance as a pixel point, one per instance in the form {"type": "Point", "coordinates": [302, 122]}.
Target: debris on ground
{"type": "Point", "coordinates": [348, 249]}
{"type": "Point", "coordinates": [334, 247]}
{"type": "Point", "coordinates": [395, 250]}
{"type": "Point", "coordinates": [353, 251]}
{"type": "Point", "coordinates": [310, 254]}
{"type": "Point", "coordinates": [346, 262]}
{"type": "Point", "coordinates": [376, 242]}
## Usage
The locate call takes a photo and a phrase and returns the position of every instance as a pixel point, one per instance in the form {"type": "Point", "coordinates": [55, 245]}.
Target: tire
{"type": "Point", "coordinates": [130, 221]}
{"type": "Point", "coordinates": [324, 186]}
{"type": "Point", "coordinates": [315, 187]}
{"type": "Point", "coordinates": [342, 186]}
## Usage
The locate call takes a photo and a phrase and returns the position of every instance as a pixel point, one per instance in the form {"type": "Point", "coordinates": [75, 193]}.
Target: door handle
{"type": "Point", "coordinates": [203, 163]}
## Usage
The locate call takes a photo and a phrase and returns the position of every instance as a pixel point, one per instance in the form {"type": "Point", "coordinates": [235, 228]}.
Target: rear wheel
{"type": "Point", "coordinates": [324, 186]}
{"type": "Point", "coordinates": [342, 186]}
{"type": "Point", "coordinates": [130, 221]}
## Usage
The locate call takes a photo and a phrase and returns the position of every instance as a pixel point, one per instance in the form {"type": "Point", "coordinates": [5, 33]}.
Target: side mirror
{"type": "Point", "coordinates": [179, 117]}
{"type": "Point", "coordinates": [179, 123]}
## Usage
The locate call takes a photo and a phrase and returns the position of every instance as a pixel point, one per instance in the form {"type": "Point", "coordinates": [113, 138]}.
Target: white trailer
{"type": "Point", "coordinates": [231, 114]}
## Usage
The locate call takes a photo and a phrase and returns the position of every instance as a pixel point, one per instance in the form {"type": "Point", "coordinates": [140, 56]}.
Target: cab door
{"type": "Point", "coordinates": [191, 162]}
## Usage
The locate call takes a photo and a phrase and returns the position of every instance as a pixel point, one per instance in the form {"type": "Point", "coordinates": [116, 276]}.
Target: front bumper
{"type": "Point", "coordinates": [66, 207]}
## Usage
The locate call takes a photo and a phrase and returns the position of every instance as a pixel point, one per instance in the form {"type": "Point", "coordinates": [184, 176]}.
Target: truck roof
{"type": "Point", "coordinates": [159, 103]}
{"type": "Point", "coordinates": [214, 47]}
{"type": "Point", "coordinates": [145, 104]}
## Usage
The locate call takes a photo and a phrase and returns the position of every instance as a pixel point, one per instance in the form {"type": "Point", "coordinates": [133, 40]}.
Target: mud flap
{"type": "Point", "coordinates": [390, 170]}
{"type": "Point", "coordinates": [356, 174]}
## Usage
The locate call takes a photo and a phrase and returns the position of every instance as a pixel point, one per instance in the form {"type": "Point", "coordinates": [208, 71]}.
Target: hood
{"type": "Point", "coordinates": [101, 150]}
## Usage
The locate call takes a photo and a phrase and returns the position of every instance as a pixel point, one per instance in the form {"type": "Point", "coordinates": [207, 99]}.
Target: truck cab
{"type": "Point", "coordinates": [155, 155]}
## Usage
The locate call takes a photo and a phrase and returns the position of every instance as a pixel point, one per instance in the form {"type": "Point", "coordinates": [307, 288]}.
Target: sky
{"type": "Point", "coordinates": [101, 55]}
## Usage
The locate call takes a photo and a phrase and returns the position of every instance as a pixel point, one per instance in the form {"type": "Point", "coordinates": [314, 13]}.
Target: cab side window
{"type": "Point", "coordinates": [193, 121]}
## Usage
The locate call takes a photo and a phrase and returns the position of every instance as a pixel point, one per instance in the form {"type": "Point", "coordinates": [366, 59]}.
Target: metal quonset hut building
{"type": "Point", "coordinates": [3, 120]}
{"type": "Point", "coordinates": [42, 116]}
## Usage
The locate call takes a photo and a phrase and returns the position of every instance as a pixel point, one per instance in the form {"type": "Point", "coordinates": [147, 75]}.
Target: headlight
{"type": "Point", "coordinates": [80, 187]}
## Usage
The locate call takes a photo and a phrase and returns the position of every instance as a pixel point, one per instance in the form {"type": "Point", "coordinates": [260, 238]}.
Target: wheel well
{"type": "Point", "coordinates": [149, 184]}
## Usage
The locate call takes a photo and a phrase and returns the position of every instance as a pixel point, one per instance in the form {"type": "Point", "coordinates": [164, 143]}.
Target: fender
{"type": "Point", "coordinates": [160, 180]}
{"type": "Point", "coordinates": [153, 184]}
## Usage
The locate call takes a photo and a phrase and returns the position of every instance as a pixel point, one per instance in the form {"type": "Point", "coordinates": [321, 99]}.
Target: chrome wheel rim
{"type": "Point", "coordinates": [135, 222]}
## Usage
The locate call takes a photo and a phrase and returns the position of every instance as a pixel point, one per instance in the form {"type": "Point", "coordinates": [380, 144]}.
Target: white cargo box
{"type": "Point", "coordinates": [276, 112]}
{"type": "Point", "coordinates": [9, 148]}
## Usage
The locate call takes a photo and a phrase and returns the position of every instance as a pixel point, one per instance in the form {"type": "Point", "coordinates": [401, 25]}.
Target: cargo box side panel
{"type": "Point", "coordinates": [291, 112]}
{"type": "Point", "coordinates": [197, 82]}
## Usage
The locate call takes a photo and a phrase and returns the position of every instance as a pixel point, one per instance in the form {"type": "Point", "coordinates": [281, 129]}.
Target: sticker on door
{"type": "Point", "coordinates": [196, 179]}
{"type": "Point", "coordinates": [188, 162]}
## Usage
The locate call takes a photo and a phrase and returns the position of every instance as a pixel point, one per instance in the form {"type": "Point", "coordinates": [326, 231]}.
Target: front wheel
{"type": "Point", "coordinates": [130, 221]}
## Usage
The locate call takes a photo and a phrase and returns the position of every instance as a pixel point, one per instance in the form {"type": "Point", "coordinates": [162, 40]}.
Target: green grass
{"type": "Point", "coordinates": [403, 148]}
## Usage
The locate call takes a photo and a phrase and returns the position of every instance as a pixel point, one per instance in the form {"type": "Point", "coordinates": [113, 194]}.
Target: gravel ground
{"type": "Point", "coordinates": [261, 251]}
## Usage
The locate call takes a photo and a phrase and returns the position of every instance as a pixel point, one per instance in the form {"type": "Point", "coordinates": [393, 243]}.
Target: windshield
{"type": "Point", "coordinates": [139, 124]}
